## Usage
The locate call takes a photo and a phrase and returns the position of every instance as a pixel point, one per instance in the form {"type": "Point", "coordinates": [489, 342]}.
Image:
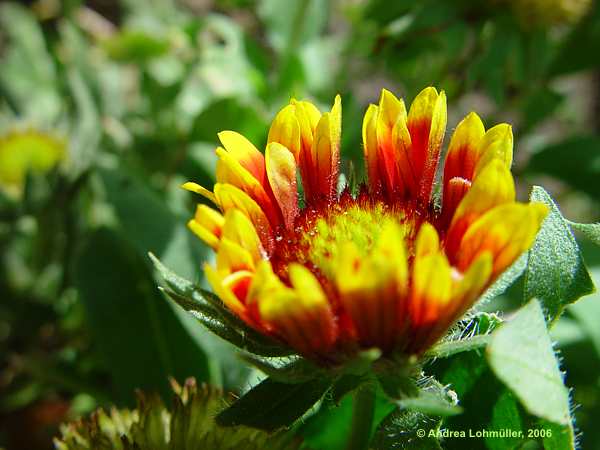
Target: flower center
{"type": "Point", "coordinates": [321, 234]}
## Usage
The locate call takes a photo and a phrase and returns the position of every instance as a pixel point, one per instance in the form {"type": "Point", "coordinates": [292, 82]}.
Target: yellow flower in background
{"type": "Point", "coordinates": [384, 267]}
{"type": "Point", "coordinates": [27, 150]}
{"type": "Point", "coordinates": [549, 12]}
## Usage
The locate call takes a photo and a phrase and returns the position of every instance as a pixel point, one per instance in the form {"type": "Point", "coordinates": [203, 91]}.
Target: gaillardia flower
{"type": "Point", "coordinates": [390, 266]}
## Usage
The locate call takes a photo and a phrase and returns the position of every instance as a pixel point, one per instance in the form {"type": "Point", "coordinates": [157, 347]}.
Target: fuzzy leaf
{"type": "Point", "coordinates": [449, 348]}
{"type": "Point", "coordinates": [556, 273]}
{"type": "Point", "coordinates": [521, 355]}
{"type": "Point", "coordinates": [557, 437]}
{"type": "Point", "coordinates": [505, 416]}
{"type": "Point", "coordinates": [589, 230]}
{"type": "Point", "coordinates": [271, 405]}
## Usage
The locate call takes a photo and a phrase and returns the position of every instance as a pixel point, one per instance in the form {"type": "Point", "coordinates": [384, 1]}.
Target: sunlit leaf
{"type": "Point", "coordinates": [522, 357]}
{"type": "Point", "coordinates": [556, 273]}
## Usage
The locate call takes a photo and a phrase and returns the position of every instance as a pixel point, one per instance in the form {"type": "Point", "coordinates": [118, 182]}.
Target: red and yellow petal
{"type": "Point", "coordinates": [464, 148]}
{"type": "Point", "coordinates": [197, 189]}
{"type": "Point", "coordinates": [281, 171]}
{"type": "Point", "coordinates": [285, 130]}
{"type": "Point", "coordinates": [207, 224]}
{"type": "Point", "coordinates": [370, 148]}
{"type": "Point", "coordinates": [370, 288]}
{"type": "Point", "coordinates": [308, 117]}
{"type": "Point", "coordinates": [229, 291]}
{"type": "Point", "coordinates": [386, 142]}
{"type": "Point", "coordinates": [300, 315]}
{"type": "Point", "coordinates": [495, 186]}
{"type": "Point", "coordinates": [232, 257]}
{"type": "Point", "coordinates": [431, 278]}
{"type": "Point", "coordinates": [505, 232]}
{"type": "Point", "coordinates": [238, 228]}
{"type": "Point", "coordinates": [325, 155]}
{"type": "Point", "coordinates": [229, 197]}
{"type": "Point", "coordinates": [496, 144]}
{"type": "Point", "coordinates": [407, 182]}
{"type": "Point", "coordinates": [427, 125]}
{"type": "Point", "coordinates": [245, 153]}
{"type": "Point", "coordinates": [465, 290]}
{"type": "Point", "coordinates": [391, 111]}
{"type": "Point", "coordinates": [230, 171]}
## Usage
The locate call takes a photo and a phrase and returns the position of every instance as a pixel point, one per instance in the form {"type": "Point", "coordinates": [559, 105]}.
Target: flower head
{"type": "Point", "coordinates": [384, 267]}
{"type": "Point", "coordinates": [546, 13]}
{"type": "Point", "coordinates": [27, 150]}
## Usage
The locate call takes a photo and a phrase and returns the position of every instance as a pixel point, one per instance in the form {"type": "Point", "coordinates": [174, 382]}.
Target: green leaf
{"type": "Point", "coordinates": [280, 18]}
{"type": "Point", "coordinates": [557, 437]}
{"type": "Point", "coordinates": [271, 405]}
{"type": "Point", "coordinates": [574, 52]}
{"type": "Point", "coordinates": [229, 110]}
{"type": "Point", "coordinates": [449, 348]}
{"type": "Point", "coordinates": [540, 104]}
{"type": "Point", "coordinates": [149, 223]}
{"type": "Point", "coordinates": [464, 371]}
{"type": "Point", "coordinates": [556, 273]}
{"type": "Point", "coordinates": [134, 46]}
{"type": "Point", "coordinates": [329, 428]}
{"type": "Point", "coordinates": [589, 230]}
{"type": "Point", "coordinates": [576, 161]}
{"type": "Point", "coordinates": [505, 416]}
{"type": "Point", "coordinates": [521, 355]}
{"type": "Point", "coordinates": [137, 332]}
{"type": "Point", "coordinates": [28, 70]}
{"type": "Point", "coordinates": [87, 129]}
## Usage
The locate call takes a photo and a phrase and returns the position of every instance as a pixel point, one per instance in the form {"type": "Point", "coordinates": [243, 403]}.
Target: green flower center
{"type": "Point", "coordinates": [320, 235]}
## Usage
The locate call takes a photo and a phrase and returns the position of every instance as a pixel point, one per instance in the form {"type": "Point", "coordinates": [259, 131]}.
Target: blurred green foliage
{"type": "Point", "coordinates": [138, 90]}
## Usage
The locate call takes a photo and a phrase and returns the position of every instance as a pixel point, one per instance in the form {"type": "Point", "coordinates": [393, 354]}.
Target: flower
{"type": "Point", "coordinates": [384, 267]}
{"type": "Point", "coordinates": [27, 150]}
{"type": "Point", "coordinates": [546, 13]}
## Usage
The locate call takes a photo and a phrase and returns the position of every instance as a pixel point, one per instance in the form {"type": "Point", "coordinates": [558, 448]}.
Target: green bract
{"type": "Point", "coordinates": [188, 424]}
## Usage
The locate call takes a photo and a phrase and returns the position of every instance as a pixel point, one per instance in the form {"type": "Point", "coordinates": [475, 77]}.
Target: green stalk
{"type": "Point", "coordinates": [362, 418]}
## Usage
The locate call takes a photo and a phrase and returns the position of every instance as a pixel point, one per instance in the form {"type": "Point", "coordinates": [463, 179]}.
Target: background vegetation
{"type": "Point", "coordinates": [128, 97]}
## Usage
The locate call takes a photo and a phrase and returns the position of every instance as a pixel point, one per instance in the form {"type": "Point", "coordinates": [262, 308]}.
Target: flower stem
{"type": "Point", "coordinates": [362, 418]}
